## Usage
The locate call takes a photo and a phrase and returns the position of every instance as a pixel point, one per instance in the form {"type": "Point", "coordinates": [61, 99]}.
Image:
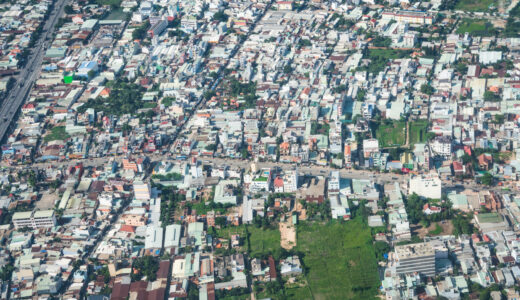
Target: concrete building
{"type": "Point", "coordinates": [408, 16]}
{"type": "Point", "coordinates": [141, 191]}
{"type": "Point", "coordinates": [333, 185]}
{"type": "Point", "coordinates": [442, 145]}
{"type": "Point", "coordinates": [413, 258]}
{"type": "Point", "coordinates": [34, 219]}
{"type": "Point", "coordinates": [429, 186]}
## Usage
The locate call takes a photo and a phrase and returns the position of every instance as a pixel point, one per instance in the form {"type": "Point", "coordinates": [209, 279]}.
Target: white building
{"type": "Point", "coordinates": [442, 146]}
{"type": "Point", "coordinates": [290, 181]}
{"type": "Point", "coordinates": [334, 179]}
{"type": "Point", "coordinates": [141, 191]}
{"type": "Point", "coordinates": [370, 146]}
{"type": "Point", "coordinates": [429, 186]}
{"type": "Point", "coordinates": [34, 219]}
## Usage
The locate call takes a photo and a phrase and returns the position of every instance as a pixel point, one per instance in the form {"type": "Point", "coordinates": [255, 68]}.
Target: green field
{"type": "Point", "coordinates": [380, 57]}
{"type": "Point", "coordinates": [57, 133]}
{"type": "Point", "coordinates": [113, 3]}
{"type": "Point", "coordinates": [340, 259]}
{"type": "Point", "coordinates": [474, 5]}
{"type": "Point", "coordinates": [261, 242]}
{"type": "Point", "coordinates": [298, 293]}
{"type": "Point", "coordinates": [116, 14]}
{"type": "Point", "coordinates": [476, 27]}
{"type": "Point", "coordinates": [391, 135]}
{"type": "Point", "coordinates": [418, 130]}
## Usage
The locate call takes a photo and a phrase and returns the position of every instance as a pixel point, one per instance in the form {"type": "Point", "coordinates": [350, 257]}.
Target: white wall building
{"type": "Point", "coordinates": [429, 186]}
{"type": "Point", "coordinates": [34, 219]}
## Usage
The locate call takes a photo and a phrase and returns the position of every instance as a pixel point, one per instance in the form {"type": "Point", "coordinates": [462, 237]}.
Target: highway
{"type": "Point", "coordinates": [30, 72]}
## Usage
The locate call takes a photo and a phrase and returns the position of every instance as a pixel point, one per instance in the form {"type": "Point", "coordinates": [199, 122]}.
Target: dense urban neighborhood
{"type": "Point", "coordinates": [259, 149]}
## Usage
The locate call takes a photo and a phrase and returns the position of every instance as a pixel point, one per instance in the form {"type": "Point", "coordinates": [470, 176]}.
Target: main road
{"type": "Point", "coordinates": [29, 72]}
{"type": "Point", "coordinates": [303, 169]}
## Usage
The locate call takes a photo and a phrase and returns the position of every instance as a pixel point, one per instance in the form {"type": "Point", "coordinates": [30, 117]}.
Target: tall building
{"type": "Point", "coordinates": [414, 258]}
{"type": "Point", "coordinates": [34, 219]}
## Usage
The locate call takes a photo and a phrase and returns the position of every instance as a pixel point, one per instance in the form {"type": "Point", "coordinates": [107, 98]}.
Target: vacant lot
{"type": "Point", "coordinates": [475, 5]}
{"type": "Point", "coordinates": [340, 260]}
{"type": "Point", "coordinates": [288, 234]}
{"type": "Point", "coordinates": [261, 242]}
{"type": "Point", "coordinates": [435, 228]}
{"type": "Point", "coordinates": [380, 57]}
{"type": "Point", "coordinates": [116, 14]}
{"type": "Point", "coordinates": [476, 27]}
{"type": "Point", "coordinates": [391, 135]}
{"type": "Point", "coordinates": [57, 133]}
{"type": "Point", "coordinates": [418, 130]}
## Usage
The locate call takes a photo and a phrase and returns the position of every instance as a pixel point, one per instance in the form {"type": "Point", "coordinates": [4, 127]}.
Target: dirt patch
{"type": "Point", "coordinates": [446, 226]}
{"type": "Point", "coordinates": [47, 201]}
{"type": "Point", "coordinates": [302, 213]}
{"type": "Point", "coordinates": [288, 235]}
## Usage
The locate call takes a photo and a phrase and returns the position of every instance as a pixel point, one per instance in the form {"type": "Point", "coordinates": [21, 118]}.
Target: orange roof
{"type": "Point", "coordinates": [127, 228]}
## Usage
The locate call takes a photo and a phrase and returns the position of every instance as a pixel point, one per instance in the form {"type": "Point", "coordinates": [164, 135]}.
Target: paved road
{"type": "Point", "coordinates": [311, 170]}
{"type": "Point", "coordinates": [29, 73]}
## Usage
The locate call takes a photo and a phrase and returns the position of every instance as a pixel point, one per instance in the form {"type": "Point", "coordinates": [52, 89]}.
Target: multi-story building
{"type": "Point", "coordinates": [290, 181]}
{"type": "Point", "coordinates": [408, 16]}
{"type": "Point", "coordinates": [34, 219]}
{"type": "Point", "coordinates": [442, 146]}
{"type": "Point", "coordinates": [414, 258]}
{"type": "Point", "coordinates": [333, 186]}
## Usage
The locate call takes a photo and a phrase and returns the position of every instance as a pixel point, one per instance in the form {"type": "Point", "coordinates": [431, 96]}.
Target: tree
{"type": "Point", "coordinates": [140, 32]}
{"type": "Point", "coordinates": [466, 158]}
{"type": "Point", "coordinates": [499, 119]}
{"type": "Point", "coordinates": [427, 89]}
{"type": "Point", "coordinates": [491, 96]}
{"type": "Point", "coordinates": [487, 179]}
{"type": "Point", "coordinates": [381, 248]}
{"type": "Point", "coordinates": [220, 16]}
{"type": "Point", "coordinates": [6, 271]}
{"type": "Point", "coordinates": [145, 266]}
{"type": "Point", "coordinates": [68, 9]}
{"type": "Point", "coordinates": [221, 221]}
{"type": "Point", "coordinates": [287, 69]}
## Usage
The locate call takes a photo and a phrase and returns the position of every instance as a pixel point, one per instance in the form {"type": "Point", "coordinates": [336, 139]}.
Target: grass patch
{"type": "Point", "coordinates": [418, 131]}
{"type": "Point", "coordinates": [150, 105]}
{"type": "Point", "coordinates": [298, 293]}
{"type": "Point", "coordinates": [476, 28]}
{"type": "Point", "coordinates": [437, 230]}
{"type": "Point", "coordinates": [57, 133]}
{"type": "Point", "coordinates": [261, 242]}
{"type": "Point", "coordinates": [116, 14]}
{"type": "Point", "coordinates": [340, 259]}
{"type": "Point", "coordinates": [380, 57]}
{"type": "Point", "coordinates": [475, 5]}
{"type": "Point", "coordinates": [113, 3]}
{"type": "Point", "coordinates": [391, 135]}
{"type": "Point", "coordinates": [227, 232]}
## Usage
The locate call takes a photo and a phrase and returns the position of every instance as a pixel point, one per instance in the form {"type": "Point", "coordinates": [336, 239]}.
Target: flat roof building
{"type": "Point", "coordinates": [34, 219]}
{"type": "Point", "coordinates": [414, 258]}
